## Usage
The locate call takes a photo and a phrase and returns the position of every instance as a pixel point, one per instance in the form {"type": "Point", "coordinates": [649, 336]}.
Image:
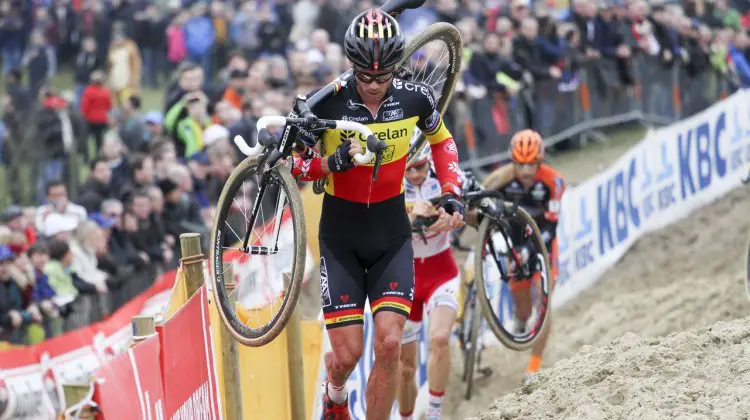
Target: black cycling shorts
{"type": "Point", "coordinates": [349, 276]}
{"type": "Point", "coordinates": [365, 254]}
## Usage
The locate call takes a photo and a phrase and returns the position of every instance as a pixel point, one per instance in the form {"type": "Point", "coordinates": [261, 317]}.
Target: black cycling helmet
{"type": "Point", "coordinates": [374, 41]}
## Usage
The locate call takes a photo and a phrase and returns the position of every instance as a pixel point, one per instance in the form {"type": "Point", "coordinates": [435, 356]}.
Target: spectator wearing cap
{"type": "Point", "coordinates": [96, 104]}
{"type": "Point", "coordinates": [203, 184]}
{"type": "Point", "coordinates": [13, 316]}
{"type": "Point", "coordinates": [181, 213]}
{"type": "Point", "coordinates": [59, 226]}
{"type": "Point", "coordinates": [153, 120]}
{"type": "Point", "coordinates": [43, 295]}
{"type": "Point", "coordinates": [216, 136]}
{"type": "Point", "coordinates": [189, 131]}
{"type": "Point", "coordinates": [97, 187]}
{"type": "Point", "coordinates": [58, 203]}
{"type": "Point", "coordinates": [22, 233]}
{"type": "Point", "coordinates": [132, 131]}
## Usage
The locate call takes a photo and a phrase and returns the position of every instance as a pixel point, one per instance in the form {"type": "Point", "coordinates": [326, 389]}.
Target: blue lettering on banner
{"type": "Point", "coordinates": [625, 208]}
{"type": "Point", "coordinates": [703, 143]}
{"type": "Point", "coordinates": [586, 224]}
{"type": "Point", "coordinates": [562, 235]}
{"type": "Point", "coordinates": [563, 271]}
{"type": "Point", "coordinates": [646, 172]}
{"type": "Point", "coordinates": [666, 165]}
{"type": "Point", "coordinates": [648, 206]}
{"type": "Point", "coordinates": [584, 255]}
{"type": "Point", "coordinates": [666, 197]}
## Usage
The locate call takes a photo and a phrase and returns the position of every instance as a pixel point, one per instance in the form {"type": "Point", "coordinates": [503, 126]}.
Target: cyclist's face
{"type": "Point", "coordinates": [372, 85]}
{"type": "Point", "coordinates": [526, 172]}
{"type": "Point", "coordinates": [416, 174]}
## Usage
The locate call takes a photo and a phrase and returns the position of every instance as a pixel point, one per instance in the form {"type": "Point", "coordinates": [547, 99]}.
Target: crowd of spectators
{"type": "Point", "coordinates": [155, 170]}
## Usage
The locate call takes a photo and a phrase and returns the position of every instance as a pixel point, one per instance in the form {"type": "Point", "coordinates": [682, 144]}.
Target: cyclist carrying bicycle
{"type": "Point", "coordinates": [541, 188]}
{"type": "Point", "coordinates": [365, 233]}
{"type": "Point", "coordinates": [436, 281]}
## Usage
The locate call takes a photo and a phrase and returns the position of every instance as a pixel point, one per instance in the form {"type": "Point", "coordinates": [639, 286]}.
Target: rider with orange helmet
{"type": "Point", "coordinates": [541, 188]}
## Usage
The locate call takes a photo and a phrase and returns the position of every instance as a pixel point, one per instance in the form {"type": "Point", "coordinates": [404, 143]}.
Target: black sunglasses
{"type": "Point", "coordinates": [377, 78]}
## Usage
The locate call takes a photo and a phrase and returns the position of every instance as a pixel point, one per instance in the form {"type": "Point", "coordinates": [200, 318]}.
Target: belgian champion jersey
{"type": "Point", "coordinates": [407, 105]}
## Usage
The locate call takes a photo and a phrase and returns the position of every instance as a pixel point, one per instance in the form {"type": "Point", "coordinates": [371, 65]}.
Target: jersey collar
{"type": "Point", "coordinates": [353, 97]}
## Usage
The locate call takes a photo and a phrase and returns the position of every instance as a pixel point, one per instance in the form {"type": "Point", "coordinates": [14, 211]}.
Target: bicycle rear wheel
{"type": "Point", "coordinates": [434, 58]}
{"type": "Point", "coordinates": [257, 310]}
{"type": "Point", "coordinates": [493, 278]}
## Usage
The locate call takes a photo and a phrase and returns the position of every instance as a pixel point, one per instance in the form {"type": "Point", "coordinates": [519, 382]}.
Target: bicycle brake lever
{"type": "Point", "coordinates": [378, 160]}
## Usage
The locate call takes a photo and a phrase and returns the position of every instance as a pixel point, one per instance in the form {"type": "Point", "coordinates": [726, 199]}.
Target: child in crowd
{"type": "Point", "coordinates": [43, 294]}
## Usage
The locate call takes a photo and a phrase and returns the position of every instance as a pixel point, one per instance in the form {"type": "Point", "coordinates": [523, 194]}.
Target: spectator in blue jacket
{"type": "Point", "coordinates": [43, 294]}
{"type": "Point", "coordinates": [11, 37]}
{"type": "Point", "coordinates": [737, 51]}
{"type": "Point", "coordinates": [199, 37]}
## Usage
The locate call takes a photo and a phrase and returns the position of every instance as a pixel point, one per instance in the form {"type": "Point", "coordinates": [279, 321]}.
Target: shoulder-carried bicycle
{"type": "Point", "coordinates": [259, 229]}
{"type": "Point", "coordinates": [497, 268]}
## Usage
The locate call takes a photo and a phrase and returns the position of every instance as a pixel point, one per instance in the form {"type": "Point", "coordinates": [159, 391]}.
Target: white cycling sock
{"type": "Point", "coordinates": [436, 400]}
{"type": "Point", "coordinates": [337, 394]}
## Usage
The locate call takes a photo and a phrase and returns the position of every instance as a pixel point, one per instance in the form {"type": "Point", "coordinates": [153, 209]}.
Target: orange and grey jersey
{"type": "Point", "coordinates": [541, 200]}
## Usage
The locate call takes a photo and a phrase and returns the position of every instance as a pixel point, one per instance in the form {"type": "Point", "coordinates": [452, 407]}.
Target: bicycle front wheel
{"type": "Point", "coordinates": [257, 299]}
{"type": "Point", "coordinates": [434, 58]}
{"type": "Point", "coordinates": [516, 308]}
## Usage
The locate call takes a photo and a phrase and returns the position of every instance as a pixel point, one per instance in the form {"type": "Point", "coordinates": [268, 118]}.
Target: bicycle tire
{"type": "Point", "coordinates": [505, 337]}
{"type": "Point", "coordinates": [471, 357]}
{"type": "Point", "coordinates": [452, 38]}
{"type": "Point", "coordinates": [241, 332]}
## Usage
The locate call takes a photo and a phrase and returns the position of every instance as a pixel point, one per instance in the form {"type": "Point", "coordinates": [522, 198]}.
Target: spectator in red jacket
{"type": "Point", "coordinates": [95, 106]}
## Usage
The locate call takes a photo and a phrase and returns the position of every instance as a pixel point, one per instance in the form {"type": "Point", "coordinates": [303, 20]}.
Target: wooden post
{"type": "Point", "coordinates": [294, 359]}
{"type": "Point", "coordinates": [230, 358]}
{"type": "Point", "coordinates": [192, 262]}
{"type": "Point", "coordinates": [143, 328]}
{"type": "Point", "coordinates": [74, 394]}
